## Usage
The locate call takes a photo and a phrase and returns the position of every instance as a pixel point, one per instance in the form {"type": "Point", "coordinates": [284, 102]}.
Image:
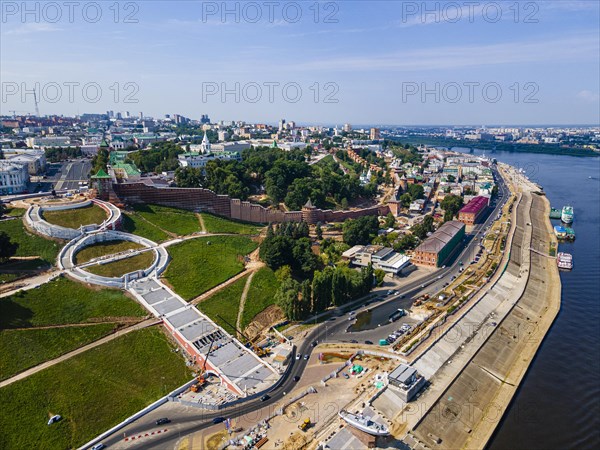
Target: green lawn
{"type": "Point", "coordinates": [16, 268]}
{"type": "Point", "coordinates": [216, 224]}
{"type": "Point", "coordinates": [104, 248]}
{"type": "Point", "coordinates": [197, 266]}
{"type": "Point", "coordinates": [134, 224]}
{"type": "Point", "coordinates": [15, 212]}
{"type": "Point", "coordinates": [123, 266]}
{"type": "Point", "coordinates": [30, 244]}
{"type": "Point", "coordinates": [260, 295]}
{"type": "Point", "coordinates": [177, 221]}
{"type": "Point", "coordinates": [63, 301]}
{"type": "Point", "coordinates": [74, 218]}
{"type": "Point", "coordinates": [225, 303]}
{"type": "Point", "coordinates": [22, 349]}
{"type": "Point", "coordinates": [92, 392]}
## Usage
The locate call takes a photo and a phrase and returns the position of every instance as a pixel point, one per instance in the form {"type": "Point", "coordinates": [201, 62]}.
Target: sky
{"type": "Point", "coordinates": [361, 62]}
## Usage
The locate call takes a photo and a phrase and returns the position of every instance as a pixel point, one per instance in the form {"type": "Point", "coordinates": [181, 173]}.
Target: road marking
{"type": "Point", "coordinates": [63, 177]}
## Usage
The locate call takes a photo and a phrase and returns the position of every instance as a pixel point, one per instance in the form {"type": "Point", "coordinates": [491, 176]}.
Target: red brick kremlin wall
{"type": "Point", "coordinates": [198, 199]}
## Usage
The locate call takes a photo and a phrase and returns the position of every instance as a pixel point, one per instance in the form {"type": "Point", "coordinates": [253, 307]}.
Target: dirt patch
{"type": "Point", "coordinates": [271, 315]}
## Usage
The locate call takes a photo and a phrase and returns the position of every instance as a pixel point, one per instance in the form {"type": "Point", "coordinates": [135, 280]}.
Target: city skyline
{"type": "Point", "coordinates": [381, 63]}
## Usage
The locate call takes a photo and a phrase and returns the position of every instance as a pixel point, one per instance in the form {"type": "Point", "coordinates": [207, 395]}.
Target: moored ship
{"type": "Point", "coordinates": [564, 261]}
{"type": "Point", "coordinates": [567, 214]}
{"type": "Point", "coordinates": [364, 424]}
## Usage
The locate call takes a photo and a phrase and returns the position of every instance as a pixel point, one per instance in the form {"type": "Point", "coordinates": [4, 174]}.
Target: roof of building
{"type": "Point", "coordinates": [352, 251]}
{"type": "Point", "coordinates": [101, 174]}
{"type": "Point", "coordinates": [475, 205]}
{"type": "Point", "coordinates": [403, 373]}
{"type": "Point", "coordinates": [438, 240]}
{"type": "Point", "coordinates": [129, 169]}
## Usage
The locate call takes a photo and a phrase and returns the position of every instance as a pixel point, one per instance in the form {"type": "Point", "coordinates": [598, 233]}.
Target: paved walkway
{"type": "Point", "coordinates": [85, 348]}
{"type": "Point", "coordinates": [238, 323]}
{"type": "Point", "coordinates": [216, 289]}
{"type": "Point", "coordinates": [29, 283]}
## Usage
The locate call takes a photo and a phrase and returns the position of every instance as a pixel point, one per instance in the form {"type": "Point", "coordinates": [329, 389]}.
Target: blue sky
{"type": "Point", "coordinates": [364, 62]}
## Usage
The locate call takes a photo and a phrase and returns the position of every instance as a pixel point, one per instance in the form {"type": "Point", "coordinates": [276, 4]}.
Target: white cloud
{"type": "Point", "coordinates": [588, 96]}
{"type": "Point", "coordinates": [574, 48]}
{"type": "Point", "coordinates": [31, 28]}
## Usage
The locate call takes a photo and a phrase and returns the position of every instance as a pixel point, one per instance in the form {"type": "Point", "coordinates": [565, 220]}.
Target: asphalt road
{"type": "Point", "coordinates": [333, 329]}
{"type": "Point", "coordinates": [70, 173]}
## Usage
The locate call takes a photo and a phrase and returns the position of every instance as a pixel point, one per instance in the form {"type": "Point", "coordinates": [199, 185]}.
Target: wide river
{"type": "Point", "coordinates": [558, 403]}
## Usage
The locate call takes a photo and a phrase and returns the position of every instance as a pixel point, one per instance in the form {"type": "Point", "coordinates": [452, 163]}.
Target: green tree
{"type": "Point", "coordinates": [379, 276]}
{"type": "Point", "coordinates": [283, 273]}
{"type": "Point", "coordinates": [8, 248]}
{"type": "Point", "coordinates": [286, 298]}
{"type": "Point", "coordinates": [390, 220]}
{"type": "Point", "coordinates": [416, 191]}
{"type": "Point", "coordinates": [189, 177]}
{"type": "Point", "coordinates": [405, 200]}
{"type": "Point", "coordinates": [321, 288]}
{"type": "Point", "coordinates": [451, 204]}
{"type": "Point", "coordinates": [100, 161]}
{"type": "Point", "coordinates": [406, 242]}
{"type": "Point", "coordinates": [319, 231]}
{"type": "Point", "coordinates": [361, 230]}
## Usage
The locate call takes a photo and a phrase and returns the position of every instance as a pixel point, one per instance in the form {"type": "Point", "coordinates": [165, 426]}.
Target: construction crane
{"type": "Point", "coordinates": [259, 351]}
{"type": "Point", "coordinates": [37, 109]}
{"type": "Point", "coordinates": [14, 112]}
{"type": "Point", "coordinates": [201, 379]}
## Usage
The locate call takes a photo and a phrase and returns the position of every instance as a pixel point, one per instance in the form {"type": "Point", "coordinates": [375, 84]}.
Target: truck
{"type": "Point", "coordinates": [397, 315]}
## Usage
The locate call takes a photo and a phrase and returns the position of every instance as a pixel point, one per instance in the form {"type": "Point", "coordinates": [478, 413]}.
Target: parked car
{"type": "Point", "coordinates": [265, 397]}
{"type": "Point", "coordinates": [369, 342]}
{"type": "Point", "coordinates": [354, 341]}
{"type": "Point", "coordinates": [54, 419]}
{"type": "Point", "coordinates": [305, 357]}
{"type": "Point", "coordinates": [99, 446]}
{"type": "Point", "coordinates": [296, 378]}
{"type": "Point", "coordinates": [218, 420]}
{"type": "Point", "coordinates": [298, 356]}
{"type": "Point", "coordinates": [162, 421]}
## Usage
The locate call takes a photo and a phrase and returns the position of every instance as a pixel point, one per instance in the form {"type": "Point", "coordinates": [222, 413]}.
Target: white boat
{"type": "Point", "coordinates": [564, 261]}
{"type": "Point", "coordinates": [567, 214]}
{"type": "Point", "coordinates": [364, 424]}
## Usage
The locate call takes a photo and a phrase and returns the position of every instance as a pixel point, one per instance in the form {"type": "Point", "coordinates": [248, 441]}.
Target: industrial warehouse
{"type": "Point", "coordinates": [474, 210]}
{"type": "Point", "coordinates": [436, 249]}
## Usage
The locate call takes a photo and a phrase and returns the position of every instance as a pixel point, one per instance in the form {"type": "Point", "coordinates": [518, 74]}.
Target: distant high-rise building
{"type": "Point", "coordinates": [223, 135]}
{"type": "Point", "coordinates": [141, 115]}
{"type": "Point", "coordinates": [347, 128]}
{"type": "Point", "coordinates": [204, 118]}
{"type": "Point", "coordinates": [292, 124]}
{"type": "Point", "coordinates": [375, 134]}
{"type": "Point", "coordinates": [119, 115]}
{"type": "Point", "coordinates": [281, 124]}
{"type": "Point", "coordinates": [167, 116]}
{"type": "Point", "coordinates": [127, 115]}
{"type": "Point", "coordinates": [110, 114]}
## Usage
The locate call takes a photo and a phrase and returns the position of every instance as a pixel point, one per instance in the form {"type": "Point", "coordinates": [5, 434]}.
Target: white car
{"type": "Point", "coordinates": [99, 446]}
{"type": "Point", "coordinates": [298, 356]}
{"type": "Point", "coordinates": [54, 419]}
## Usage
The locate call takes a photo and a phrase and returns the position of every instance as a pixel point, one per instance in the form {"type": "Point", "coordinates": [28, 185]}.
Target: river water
{"type": "Point", "coordinates": [558, 403]}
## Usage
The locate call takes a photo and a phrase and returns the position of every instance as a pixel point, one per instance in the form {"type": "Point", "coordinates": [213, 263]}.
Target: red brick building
{"type": "Point", "coordinates": [472, 211]}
